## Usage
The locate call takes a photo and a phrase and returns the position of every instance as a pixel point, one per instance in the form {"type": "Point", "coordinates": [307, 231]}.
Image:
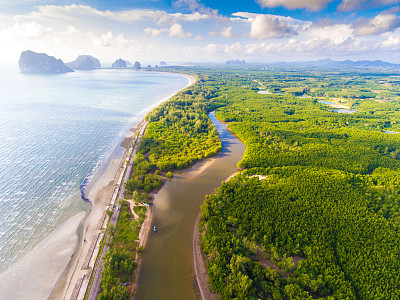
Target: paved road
{"type": "Point", "coordinates": [95, 290]}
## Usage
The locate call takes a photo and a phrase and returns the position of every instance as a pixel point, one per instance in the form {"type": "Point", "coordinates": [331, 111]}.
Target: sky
{"type": "Point", "coordinates": [185, 31]}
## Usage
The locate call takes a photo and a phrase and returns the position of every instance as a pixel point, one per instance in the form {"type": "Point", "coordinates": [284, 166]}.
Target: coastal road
{"type": "Point", "coordinates": [127, 170]}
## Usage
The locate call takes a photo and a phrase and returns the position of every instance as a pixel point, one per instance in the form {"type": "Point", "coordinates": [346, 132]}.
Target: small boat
{"type": "Point", "coordinates": [155, 229]}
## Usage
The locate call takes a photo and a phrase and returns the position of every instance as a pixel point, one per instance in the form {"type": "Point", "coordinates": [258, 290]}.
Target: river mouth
{"type": "Point", "coordinates": [167, 270]}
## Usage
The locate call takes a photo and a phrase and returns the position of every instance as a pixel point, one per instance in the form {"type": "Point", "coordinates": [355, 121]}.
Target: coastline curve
{"type": "Point", "coordinates": [75, 277]}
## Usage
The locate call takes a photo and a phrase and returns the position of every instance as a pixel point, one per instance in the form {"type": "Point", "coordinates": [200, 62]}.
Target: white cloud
{"type": "Point", "coordinates": [31, 30]}
{"type": "Point", "coordinates": [295, 23]}
{"type": "Point", "coordinates": [75, 12]}
{"type": "Point", "coordinates": [290, 49]}
{"type": "Point", "coordinates": [265, 26]}
{"type": "Point", "coordinates": [196, 16]}
{"type": "Point", "coordinates": [337, 33]}
{"type": "Point", "coordinates": [194, 5]}
{"type": "Point", "coordinates": [60, 13]}
{"type": "Point", "coordinates": [351, 5]}
{"type": "Point", "coordinates": [155, 31]}
{"type": "Point", "coordinates": [177, 30]}
{"type": "Point", "coordinates": [391, 43]}
{"type": "Point", "coordinates": [224, 49]}
{"type": "Point", "coordinates": [72, 29]}
{"type": "Point", "coordinates": [64, 31]}
{"type": "Point", "coordinates": [315, 5]}
{"type": "Point", "coordinates": [295, 4]}
{"type": "Point", "coordinates": [226, 32]}
{"type": "Point", "coordinates": [379, 24]}
{"type": "Point", "coordinates": [109, 40]}
{"type": "Point", "coordinates": [268, 26]}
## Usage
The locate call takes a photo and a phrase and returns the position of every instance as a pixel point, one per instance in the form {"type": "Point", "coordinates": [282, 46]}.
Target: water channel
{"type": "Point", "coordinates": [167, 270]}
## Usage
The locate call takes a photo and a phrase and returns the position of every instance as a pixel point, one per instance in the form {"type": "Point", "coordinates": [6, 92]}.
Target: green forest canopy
{"type": "Point", "coordinates": [324, 223]}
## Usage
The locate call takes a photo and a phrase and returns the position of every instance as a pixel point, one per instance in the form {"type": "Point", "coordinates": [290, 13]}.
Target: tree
{"type": "Point", "coordinates": [110, 230]}
{"type": "Point", "coordinates": [109, 213]}
{"type": "Point", "coordinates": [137, 196]}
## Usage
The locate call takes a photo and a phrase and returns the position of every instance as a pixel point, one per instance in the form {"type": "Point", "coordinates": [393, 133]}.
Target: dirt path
{"type": "Point", "coordinates": [132, 204]}
{"type": "Point", "coordinates": [200, 270]}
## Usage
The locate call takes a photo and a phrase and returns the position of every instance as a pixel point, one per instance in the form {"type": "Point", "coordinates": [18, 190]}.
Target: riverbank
{"type": "Point", "coordinates": [199, 259]}
{"type": "Point", "coordinates": [167, 270]}
{"type": "Point", "coordinates": [146, 226]}
{"type": "Point", "coordinates": [200, 266]}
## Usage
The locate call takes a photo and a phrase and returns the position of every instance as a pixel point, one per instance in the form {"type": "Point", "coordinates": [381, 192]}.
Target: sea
{"type": "Point", "coordinates": [57, 132]}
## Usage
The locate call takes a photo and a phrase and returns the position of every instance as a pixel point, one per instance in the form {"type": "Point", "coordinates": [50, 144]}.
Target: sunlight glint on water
{"type": "Point", "coordinates": [55, 131]}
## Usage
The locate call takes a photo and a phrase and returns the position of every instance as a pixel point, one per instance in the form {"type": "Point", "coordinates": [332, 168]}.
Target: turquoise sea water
{"type": "Point", "coordinates": [55, 133]}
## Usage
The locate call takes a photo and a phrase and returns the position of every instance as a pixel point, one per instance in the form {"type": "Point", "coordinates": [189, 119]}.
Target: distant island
{"type": "Point", "coordinates": [119, 63]}
{"type": "Point", "coordinates": [84, 62]}
{"type": "Point", "coordinates": [32, 62]}
{"type": "Point", "coordinates": [137, 65]}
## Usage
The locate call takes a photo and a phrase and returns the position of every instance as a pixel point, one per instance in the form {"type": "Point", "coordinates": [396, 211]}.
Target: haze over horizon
{"type": "Point", "coordinates": [202, 31]}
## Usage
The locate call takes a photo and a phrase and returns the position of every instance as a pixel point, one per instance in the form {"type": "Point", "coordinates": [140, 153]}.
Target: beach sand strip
{"type": "Point", "coordinates": [103, 196]}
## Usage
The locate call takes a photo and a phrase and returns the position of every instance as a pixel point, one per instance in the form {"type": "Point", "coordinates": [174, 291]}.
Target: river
{"type": "Point", "coordinates": [167, 270]}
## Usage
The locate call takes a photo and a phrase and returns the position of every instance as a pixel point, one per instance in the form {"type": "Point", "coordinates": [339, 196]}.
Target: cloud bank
{"type": "Point", "coordinates": [198, 35]}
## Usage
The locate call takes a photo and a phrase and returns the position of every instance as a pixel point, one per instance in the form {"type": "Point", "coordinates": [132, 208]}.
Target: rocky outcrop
{"type": "Point", "coordinates": [32, 62]}
{"type": "Point", "coordinates": [137, 65]}
{"type": "Point", "coordinates": [119, 63]}
{"type": "Point", "coordinates": [84, 62]}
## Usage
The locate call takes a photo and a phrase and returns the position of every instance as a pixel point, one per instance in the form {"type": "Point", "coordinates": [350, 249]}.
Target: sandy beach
{"type": "Point", "coordinates": [56, 250]}
{"type": "Point", "coordinates": [100, 194]}
{"type": "Point", "coordinates": [59, 267]}
{"type": "Point", "coordinates": [73, 281]}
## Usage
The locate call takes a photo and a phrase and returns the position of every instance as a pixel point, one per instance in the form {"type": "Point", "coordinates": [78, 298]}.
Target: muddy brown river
{"type": "Point", "coordinates": [167, 270]}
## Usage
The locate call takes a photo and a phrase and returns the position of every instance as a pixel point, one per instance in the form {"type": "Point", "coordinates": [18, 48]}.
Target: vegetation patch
{"type": "Point", "coordinates": [322, 215]}
{"type": "Point", "coordinates": [119, 261]}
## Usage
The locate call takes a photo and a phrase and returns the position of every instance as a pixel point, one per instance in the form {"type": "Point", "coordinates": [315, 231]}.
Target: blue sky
{"type": "Point", "coordinates": [202, 30]}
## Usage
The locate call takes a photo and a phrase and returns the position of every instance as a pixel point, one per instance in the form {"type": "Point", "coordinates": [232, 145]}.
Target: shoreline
{"type": "Point", "coordinates": [57, 249]}
{"type": "Point", "coordinates": [200, 266]}
{"type": "Point", "coordinates": [100, 194]}
{"type": "Point", "coordinates": [74, 276]}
